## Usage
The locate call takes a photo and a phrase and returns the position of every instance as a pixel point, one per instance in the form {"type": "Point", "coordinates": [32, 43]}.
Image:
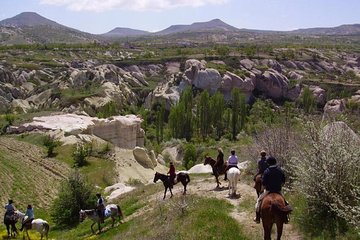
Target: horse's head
{"type": "Point", "coordinates": [18, 215]}
{"type": "Point", "coordinates": [207, 160]}
{"type": "Point", "coordinates": [156, 177]}
{"type": "Point", "coordinates": [82, 214]}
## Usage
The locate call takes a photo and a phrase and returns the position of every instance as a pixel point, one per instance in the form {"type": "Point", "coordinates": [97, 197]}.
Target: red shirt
{"type": "Point", "coordinates": [172, 170]}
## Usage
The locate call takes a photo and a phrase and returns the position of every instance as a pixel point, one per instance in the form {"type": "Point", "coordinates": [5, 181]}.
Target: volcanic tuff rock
{"type": "Point", "coordinates": [122, 131]}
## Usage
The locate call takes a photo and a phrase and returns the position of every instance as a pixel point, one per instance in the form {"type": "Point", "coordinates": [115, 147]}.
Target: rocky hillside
{"type": "Point", "coordinates": [103, 87]}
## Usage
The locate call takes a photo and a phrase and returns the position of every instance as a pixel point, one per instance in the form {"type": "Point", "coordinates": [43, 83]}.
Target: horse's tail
{"type": "Point", "coordinates": [46, 228]}
{"type": "Point", "coordinates": [120, 213]}
{"type": "Point", "coordinates": [187, 178]}
{"type": "Point", "coordinates": [283, 210]}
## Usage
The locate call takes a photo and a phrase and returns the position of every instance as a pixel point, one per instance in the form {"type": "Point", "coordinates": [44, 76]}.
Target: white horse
{"type": "Point", "coordinates": [37, 224]}
{"type": "Point", "coordinates": [111, 210]}
{"type": "Point", "coordinates": [233, 175]}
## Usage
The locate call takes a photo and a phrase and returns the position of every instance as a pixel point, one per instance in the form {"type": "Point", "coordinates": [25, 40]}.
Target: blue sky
{"type": "Point", "coordinates": [100, 16]}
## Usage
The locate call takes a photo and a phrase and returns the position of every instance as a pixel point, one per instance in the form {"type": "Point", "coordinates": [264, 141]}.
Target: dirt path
{"type": "Point", "coordinates": [244, 205]}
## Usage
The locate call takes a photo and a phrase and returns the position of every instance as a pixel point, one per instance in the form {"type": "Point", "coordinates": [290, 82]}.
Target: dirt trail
{"type": "Point", "coordinates": [205, 187]}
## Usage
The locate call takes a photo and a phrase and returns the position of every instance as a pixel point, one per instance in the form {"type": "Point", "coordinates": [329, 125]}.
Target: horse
{"type": "Point", "coordinates": [216, 170]}
{"type": "Point", "coordinates": [111, 210]}
{"type": "Point", "coordinates": [273, 210]}
{"type": "Point", "coordinates": [10, 223]}
{"type": "Point", "coordinates": [180, 177]}
{"type": "Point", "coordinates": [258, 184]}
{"type": "Point", "coordinates": [233, 175]}
{"type": "Point", "coordinates": [38, 224]}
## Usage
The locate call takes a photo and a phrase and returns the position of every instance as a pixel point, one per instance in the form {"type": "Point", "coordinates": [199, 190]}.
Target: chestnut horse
{"type": "Point", "coordinates": [218, 171]}
{"type": "Point", "coordinates": [273, 210]}
{"type": "Point", "coordinates": [258, 184]}
{"type": "Point", "coordinates": [180, 177]}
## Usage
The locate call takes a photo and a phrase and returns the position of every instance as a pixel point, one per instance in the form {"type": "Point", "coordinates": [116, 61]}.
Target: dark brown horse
{"type": "Point", "coordinates": [180, 177]}
{"type": "Point", "coordinates": [258, 184]}
{"type": "Point", "coordinates": [216, 170]}
{"type": "Point", "coordinates": [10, 223]}
{"type": "Point", "coordinates": [273, 210]}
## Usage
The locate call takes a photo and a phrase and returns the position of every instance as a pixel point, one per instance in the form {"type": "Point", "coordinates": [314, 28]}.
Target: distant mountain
{"type": "Point", "coordinates": [125, 32]}
{"type": "Point", "coordinates": [213, 25]}
{"type": "Point", "coordinates": [30, 27]}
{"type": "Point", "coordinates": [349, 29]}
{"type": "Point", "coordinates": [28, 19]}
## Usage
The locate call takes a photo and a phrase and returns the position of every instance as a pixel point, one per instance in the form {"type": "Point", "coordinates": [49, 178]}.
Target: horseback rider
{"type": "Point", "coordinates": [232, 162]}
{"type": "Point", "coordinates": [29, 216]}
{"type": "Point", "coordinates": [100, 207]}
{"type": "Point", "coordinates": [10, 210]}
{"type": "Point", "coordinates": [219, 162]}
{"type": "Point", "coordinates": [172, 174]}
{"type": "Point", "coordinates": [262, 164]}
{"type": "Point", "coordinates": [273, 179]}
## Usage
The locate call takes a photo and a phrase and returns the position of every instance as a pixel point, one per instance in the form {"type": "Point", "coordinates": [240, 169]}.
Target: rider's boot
{"type": "Point", "coordinates": [225, 179]}
{"type": "Point", "coordinates": [257, 218]}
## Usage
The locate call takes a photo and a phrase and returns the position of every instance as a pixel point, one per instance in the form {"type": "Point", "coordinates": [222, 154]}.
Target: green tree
{"type": "Point", "coordinates": [189, 155]}
{"type": "Point", "coordinates": [75, 194]}
{"type": "Point", "coordinates": [204, 114]}
{"type": "Point", "coordinates": [235, 93]}
{"type": "Point", "coordinates": [217, 108]}
{"type": "Point", "coordinates": [160, 119]}
{"type": "Point", "coordinates": [80, 154]}
{"type": "Point", "coordinates": [181, 117]}
{"type": "Point", "coordinates": [308, 100]}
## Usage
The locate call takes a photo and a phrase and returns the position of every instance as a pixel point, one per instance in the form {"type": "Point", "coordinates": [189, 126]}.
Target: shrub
{"type": "Point", "coordinates": [189, 155]}
{"type": "Point", "coordinates": [50, 143]}
{"type": "Point", "coordinates": [80, 153]}
{"type": "Point", "coordinates": [74, 195]}
{"type": "Point", "coordinates": [328, 175]}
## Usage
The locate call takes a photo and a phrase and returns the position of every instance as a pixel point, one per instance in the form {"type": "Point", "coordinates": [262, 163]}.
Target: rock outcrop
{"type": "Point", "coordinates": [142, 157]}
{"type": "Point", "coordinates": [122, 131]}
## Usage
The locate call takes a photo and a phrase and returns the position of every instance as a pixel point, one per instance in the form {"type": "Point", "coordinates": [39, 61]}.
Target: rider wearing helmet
{"type": "Point", "coordinates": [273, 179]}
{"type": "Point", "coordinates": [100, 207]}
{"type": "Point", "coordinates": [232, 162]}
{"type": "Point", "coordinates": [29, 216]}
{"type": "Point", "coordinates": [262, 164]}
{"type": "Point", "coordinates": [10, 209]}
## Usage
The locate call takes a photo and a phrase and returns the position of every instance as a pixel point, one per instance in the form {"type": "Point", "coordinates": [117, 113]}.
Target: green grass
{"type": "Point", "coordinates": [204, 218]}
{"type": "Point", "coordinates": [32, 138]}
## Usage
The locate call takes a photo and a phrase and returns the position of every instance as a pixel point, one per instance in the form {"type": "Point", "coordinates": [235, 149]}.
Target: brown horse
{"type": "Point", "coordinates": [216, 170]}
{"type": "Point", "coordinates": [180, 177]}
{"type": "Point", "coordinates": [258, 184]}
{"type": "Point", "coordinates": [273, 210]}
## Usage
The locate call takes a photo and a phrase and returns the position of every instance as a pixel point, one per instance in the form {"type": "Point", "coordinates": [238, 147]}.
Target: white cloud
{"type": "Point", "coordinates": [137, 5]}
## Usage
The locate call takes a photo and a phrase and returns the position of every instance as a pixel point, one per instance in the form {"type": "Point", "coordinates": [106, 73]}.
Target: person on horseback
{"type": "Point", "coordinates": [232, 162]}
{"type": "Point", "coordinates": [100, 207]}
{"type": "Point", "coordinates": [172, 174]}
{"type": "Point", "coordinates": [262, 164]}
{"type": "Point", "coordinates": [219, 162]}
{"type": "Point", "coordinates": [10, 210]}
{"type": "Point", "coordinates": [29, 216]}
{"type": "Point", "coordinates": [272, 180]}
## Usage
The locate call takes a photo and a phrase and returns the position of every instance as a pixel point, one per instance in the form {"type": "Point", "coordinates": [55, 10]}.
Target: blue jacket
{"type": "Point", "coordinates": [273, 179]}
{"type": "Point", "coordinates": [262, 165]}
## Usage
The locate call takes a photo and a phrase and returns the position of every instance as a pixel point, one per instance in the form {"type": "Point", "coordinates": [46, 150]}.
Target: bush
{"type": "Point", "coordinates": [74, 195]}
{"type": "Point", "coordinates": [80, 153]}
{"type": "Point", "coordinates": [50, 143]}
{"type": "Point", "coordinates": [328, 175]}
{"type": "Point", "coordinates": [189, 155]}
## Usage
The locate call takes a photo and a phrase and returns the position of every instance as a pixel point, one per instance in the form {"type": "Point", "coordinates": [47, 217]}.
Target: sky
{"type": "Point", "coordinates": [101, 16]}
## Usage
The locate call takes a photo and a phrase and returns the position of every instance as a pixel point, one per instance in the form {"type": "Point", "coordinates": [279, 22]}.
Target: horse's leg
{"type": "Point", "coordinates": [171, 192]}
{"type": "Point", "coordinates": [113, 221]}
{"type": "Point", "coordinates": [8, 229]}
{"type": "Point", "coordinates": [165, 192]}
{"type": "Point", "coordinates": [27, 233]}
{"type": "Point", "coordinates": [92, 227]}
{"type": "Point", "coordinates": [279, 226]}
{"type": "Point", "coordinates": [267, 229]}
{"type": "Point", "coordinates": [217, 181]}
{"type": "Point", "coordinates": [99, 226]}
{"type": "Point", "coordinates": [184, 183]}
